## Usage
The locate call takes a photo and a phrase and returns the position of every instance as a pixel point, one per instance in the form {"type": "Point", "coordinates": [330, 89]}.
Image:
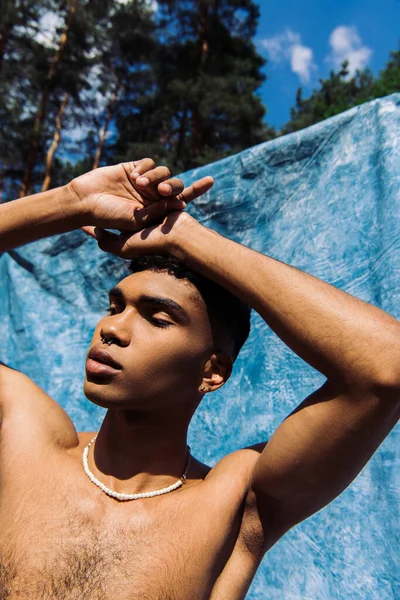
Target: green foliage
{"type": "Point", "coordinates": [389, 78]}
{"type": "Point", "coordinates": [335, 95]}
{"type": "Point", "coordinates": [180, 84]}
{"type": "Point", "coordinates": [339, 92]}
{"type": "Point", "coordinates": [22, 60]}
{"type": "Point", "coordinates": [202, 104]}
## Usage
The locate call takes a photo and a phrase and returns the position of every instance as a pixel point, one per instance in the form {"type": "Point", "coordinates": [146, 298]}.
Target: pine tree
{"type": "Point", "coordinates": [126, 50]}
{"type": "Point", "coordinates": [48, 83]}
{"type": "Point", "coordinates": [15, 17]}
{"type": "Point", "coordinates": [55, 142]}
{"type": "Point", "coordinates": [388, 81]}
{"type": "Point", "coordinates": [22, 59]}
{"type": "Point", "coordinates": [336, 94]}
{"type": "Point", "coordinates": [203, 104]}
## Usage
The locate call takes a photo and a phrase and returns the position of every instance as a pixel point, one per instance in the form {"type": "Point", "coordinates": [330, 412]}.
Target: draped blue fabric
{"type": "Point", "coordinates": [326, 200]}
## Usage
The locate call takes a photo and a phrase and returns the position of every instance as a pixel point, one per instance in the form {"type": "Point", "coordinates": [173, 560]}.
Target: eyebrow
{"type": "Point", "coordinates": [162, 301]}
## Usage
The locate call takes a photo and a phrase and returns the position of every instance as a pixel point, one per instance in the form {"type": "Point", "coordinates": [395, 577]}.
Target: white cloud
{"type": "Point", "coordinates": [278, 46]}
{"type": "Point", "coordinates": [287, 47]}
{"type": "Point", "coordinates": [346, 44]}
{"type": "Point", "coordinates": [302, 62]}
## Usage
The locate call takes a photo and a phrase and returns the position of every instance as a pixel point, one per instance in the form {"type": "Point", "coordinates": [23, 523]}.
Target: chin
{"type": "Point", "coordinates": [97, 391]}
{"type": "Point", "coordinates": [107, 396]}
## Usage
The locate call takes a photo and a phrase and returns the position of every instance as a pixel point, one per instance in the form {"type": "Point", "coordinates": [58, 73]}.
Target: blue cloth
{"type": "Point", "coordinates": [326, 200]}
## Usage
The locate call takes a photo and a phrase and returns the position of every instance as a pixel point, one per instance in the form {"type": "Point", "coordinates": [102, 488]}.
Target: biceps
{"type": "Point", "coordinates": [30, 411]}
{"type": "Point", "coordinates": [319, 449]}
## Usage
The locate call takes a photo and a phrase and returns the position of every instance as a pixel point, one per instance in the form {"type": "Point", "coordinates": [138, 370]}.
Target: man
{"type": "Point", "coordinates": [127, 513]}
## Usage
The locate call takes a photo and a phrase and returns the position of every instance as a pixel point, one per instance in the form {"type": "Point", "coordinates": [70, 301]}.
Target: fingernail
{"type": "Point", "coordinates": [142, 180]}
{"type": "Point", "coordinates": [134, 174]}
{"type": "Point", "coordinates": [167, 187]}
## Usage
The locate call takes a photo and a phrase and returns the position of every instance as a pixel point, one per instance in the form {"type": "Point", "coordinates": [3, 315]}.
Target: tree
{"type": "Point", "coordinates": [203, 102]}
{"type": "Point", "coordinates": [26, 185]}
{"type": "Point", "coordinates": [55, 142]}
{"type": "Point", "coordinates": [124, 59]}
{"type": "Point", "coordinates": [388, 81]}
{"type": "Point", "coordinates": [21, 59]}
{"type": "Point", "coordinates": [336, 94]}
{"type": "Point", "coordinates": [16, 16]}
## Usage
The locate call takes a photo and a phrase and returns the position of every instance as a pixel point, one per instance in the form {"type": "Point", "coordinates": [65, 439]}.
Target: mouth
{"type": "Point", "coordinates": [100, 362]}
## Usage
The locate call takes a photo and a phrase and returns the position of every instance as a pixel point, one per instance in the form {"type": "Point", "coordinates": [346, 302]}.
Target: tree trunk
{"type": "Point", "coordinates": [26, 182]}
{"type": "Point", "coordinates": [54, 145]}
{"type": "Point", "coordinates": [103, 133]}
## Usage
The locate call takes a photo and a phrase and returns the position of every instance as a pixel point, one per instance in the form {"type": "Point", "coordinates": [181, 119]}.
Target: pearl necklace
{"type": "Point", "coordinates": [121, 496]}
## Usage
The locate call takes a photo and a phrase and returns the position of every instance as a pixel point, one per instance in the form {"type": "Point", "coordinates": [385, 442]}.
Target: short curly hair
{"type": "Point", "coordinates": [229, 316]}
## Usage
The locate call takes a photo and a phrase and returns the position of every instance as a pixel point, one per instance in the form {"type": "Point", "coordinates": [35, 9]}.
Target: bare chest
{"type": "Point", "coordinates": [69, 546]}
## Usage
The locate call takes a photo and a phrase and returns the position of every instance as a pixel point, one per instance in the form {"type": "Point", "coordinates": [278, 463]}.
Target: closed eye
{"type": "Point", "coordinates": [113, 310]}
{"type": "Point", "coordinates": [160, 322]}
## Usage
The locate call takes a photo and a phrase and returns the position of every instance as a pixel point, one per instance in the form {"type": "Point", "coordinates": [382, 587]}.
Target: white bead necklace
{"type": "Point", "coordinates": [121, 496]}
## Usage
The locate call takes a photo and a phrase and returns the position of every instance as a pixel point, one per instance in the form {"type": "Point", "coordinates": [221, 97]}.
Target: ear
{"type": "Point", "coordinates": [217, 371]}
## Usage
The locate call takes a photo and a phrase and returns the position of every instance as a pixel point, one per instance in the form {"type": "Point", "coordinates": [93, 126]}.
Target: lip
{"type": "Point", "coordinates": [100, 362]}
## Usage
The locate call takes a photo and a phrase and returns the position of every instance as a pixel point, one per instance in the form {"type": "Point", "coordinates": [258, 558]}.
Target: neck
{"type": "Point", "coordinates": [137, 451]}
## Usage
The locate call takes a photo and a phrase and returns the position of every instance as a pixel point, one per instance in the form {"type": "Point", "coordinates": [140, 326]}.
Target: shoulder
{"type": "Point", "coordinates": [259, 530]}
{"type": "Point", "coordinates": [239, 463]}
{"type": "Point", "coordinates": [234, 471]}
{"type": "Point", "coordinates": [27, 410]}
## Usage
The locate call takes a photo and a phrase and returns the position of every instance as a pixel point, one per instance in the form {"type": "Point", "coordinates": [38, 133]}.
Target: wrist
{"type": "Point", "coordinates": [188, 239]}
{"type": "Point", "coordinates": [72, 207]}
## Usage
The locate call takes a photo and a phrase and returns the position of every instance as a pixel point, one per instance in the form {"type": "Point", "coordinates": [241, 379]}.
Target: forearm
{"type": "Point", "coordinates": [351, 342]}
{"type": "Point", "coordinates": [38, 216]}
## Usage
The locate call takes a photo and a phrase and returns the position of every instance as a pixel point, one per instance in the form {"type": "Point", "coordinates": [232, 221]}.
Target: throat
{"type": "Point", "coordinates": [136, 455]}
{"type": "Point", "coordinates": [125, 496]}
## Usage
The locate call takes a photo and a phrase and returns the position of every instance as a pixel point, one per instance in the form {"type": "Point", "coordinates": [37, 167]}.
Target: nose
{"type": "Point", "coordinates": [115, 330]}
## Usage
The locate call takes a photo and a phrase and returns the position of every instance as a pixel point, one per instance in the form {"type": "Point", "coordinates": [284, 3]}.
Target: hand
{"type": "Point", "coordinates": [131, 196]}
{"type": "Point", "coordinates": [158, 239]}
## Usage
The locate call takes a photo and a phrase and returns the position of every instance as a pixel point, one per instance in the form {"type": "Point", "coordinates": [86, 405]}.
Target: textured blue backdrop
{"type": "Point", "coordinates": [326, 200]}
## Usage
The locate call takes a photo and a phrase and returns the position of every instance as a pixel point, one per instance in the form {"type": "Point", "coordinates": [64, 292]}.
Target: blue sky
{"type": "Point", "coordinates": [304, 40]}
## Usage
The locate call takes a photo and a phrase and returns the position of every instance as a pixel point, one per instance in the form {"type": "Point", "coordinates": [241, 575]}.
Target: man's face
{"type": "Point", "coordinates": [161, 337]}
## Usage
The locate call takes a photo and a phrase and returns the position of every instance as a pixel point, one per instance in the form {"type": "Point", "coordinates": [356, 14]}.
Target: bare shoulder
{"type": "Point", "coordinates": [233, 473]}
{"type": "Point", "coordinates": [26, 408]}
{"type": "Point", "coordinates": [240, 463]}
{"type": "Point", "coordinates": [233, 476]}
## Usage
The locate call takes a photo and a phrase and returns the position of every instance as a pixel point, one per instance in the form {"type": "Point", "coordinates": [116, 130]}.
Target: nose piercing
{"type": "Point", "coordinates": [106, 340]}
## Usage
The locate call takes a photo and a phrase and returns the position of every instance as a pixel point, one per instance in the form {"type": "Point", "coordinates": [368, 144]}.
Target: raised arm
{"type": "Point", "coordinates": [122, 197]}
{"type": "Point", "coordinates": [321, 447]}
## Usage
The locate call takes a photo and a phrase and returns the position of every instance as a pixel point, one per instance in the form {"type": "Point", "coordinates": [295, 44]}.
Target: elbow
{"type": "Point", "coordinates": [381, 383]}
{"type": "Point", "coordinates": [387, 385]}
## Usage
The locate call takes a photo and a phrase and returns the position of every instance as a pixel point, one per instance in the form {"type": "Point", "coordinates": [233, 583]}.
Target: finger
{"type": "Point", "coordinates": [171, 187]}
{"type": "Point", "coordinates": [97, 232]}
{"type": "Point", "coordinates": [110, 242]}
{"type": "Point", "coordinates": [198, 188]}
{"type": "Point", "coordinates": [156, 212]}
{"type": "Point", "coordinates": [153, 177]}
{"type": "Point", "coordinates": [89, 231]}
{"type": "Point", "coordinates": [138, 167]}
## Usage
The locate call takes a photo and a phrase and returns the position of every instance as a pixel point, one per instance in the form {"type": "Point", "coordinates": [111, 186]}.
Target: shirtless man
{"type": "Point", "coordinates": [151, 361]}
